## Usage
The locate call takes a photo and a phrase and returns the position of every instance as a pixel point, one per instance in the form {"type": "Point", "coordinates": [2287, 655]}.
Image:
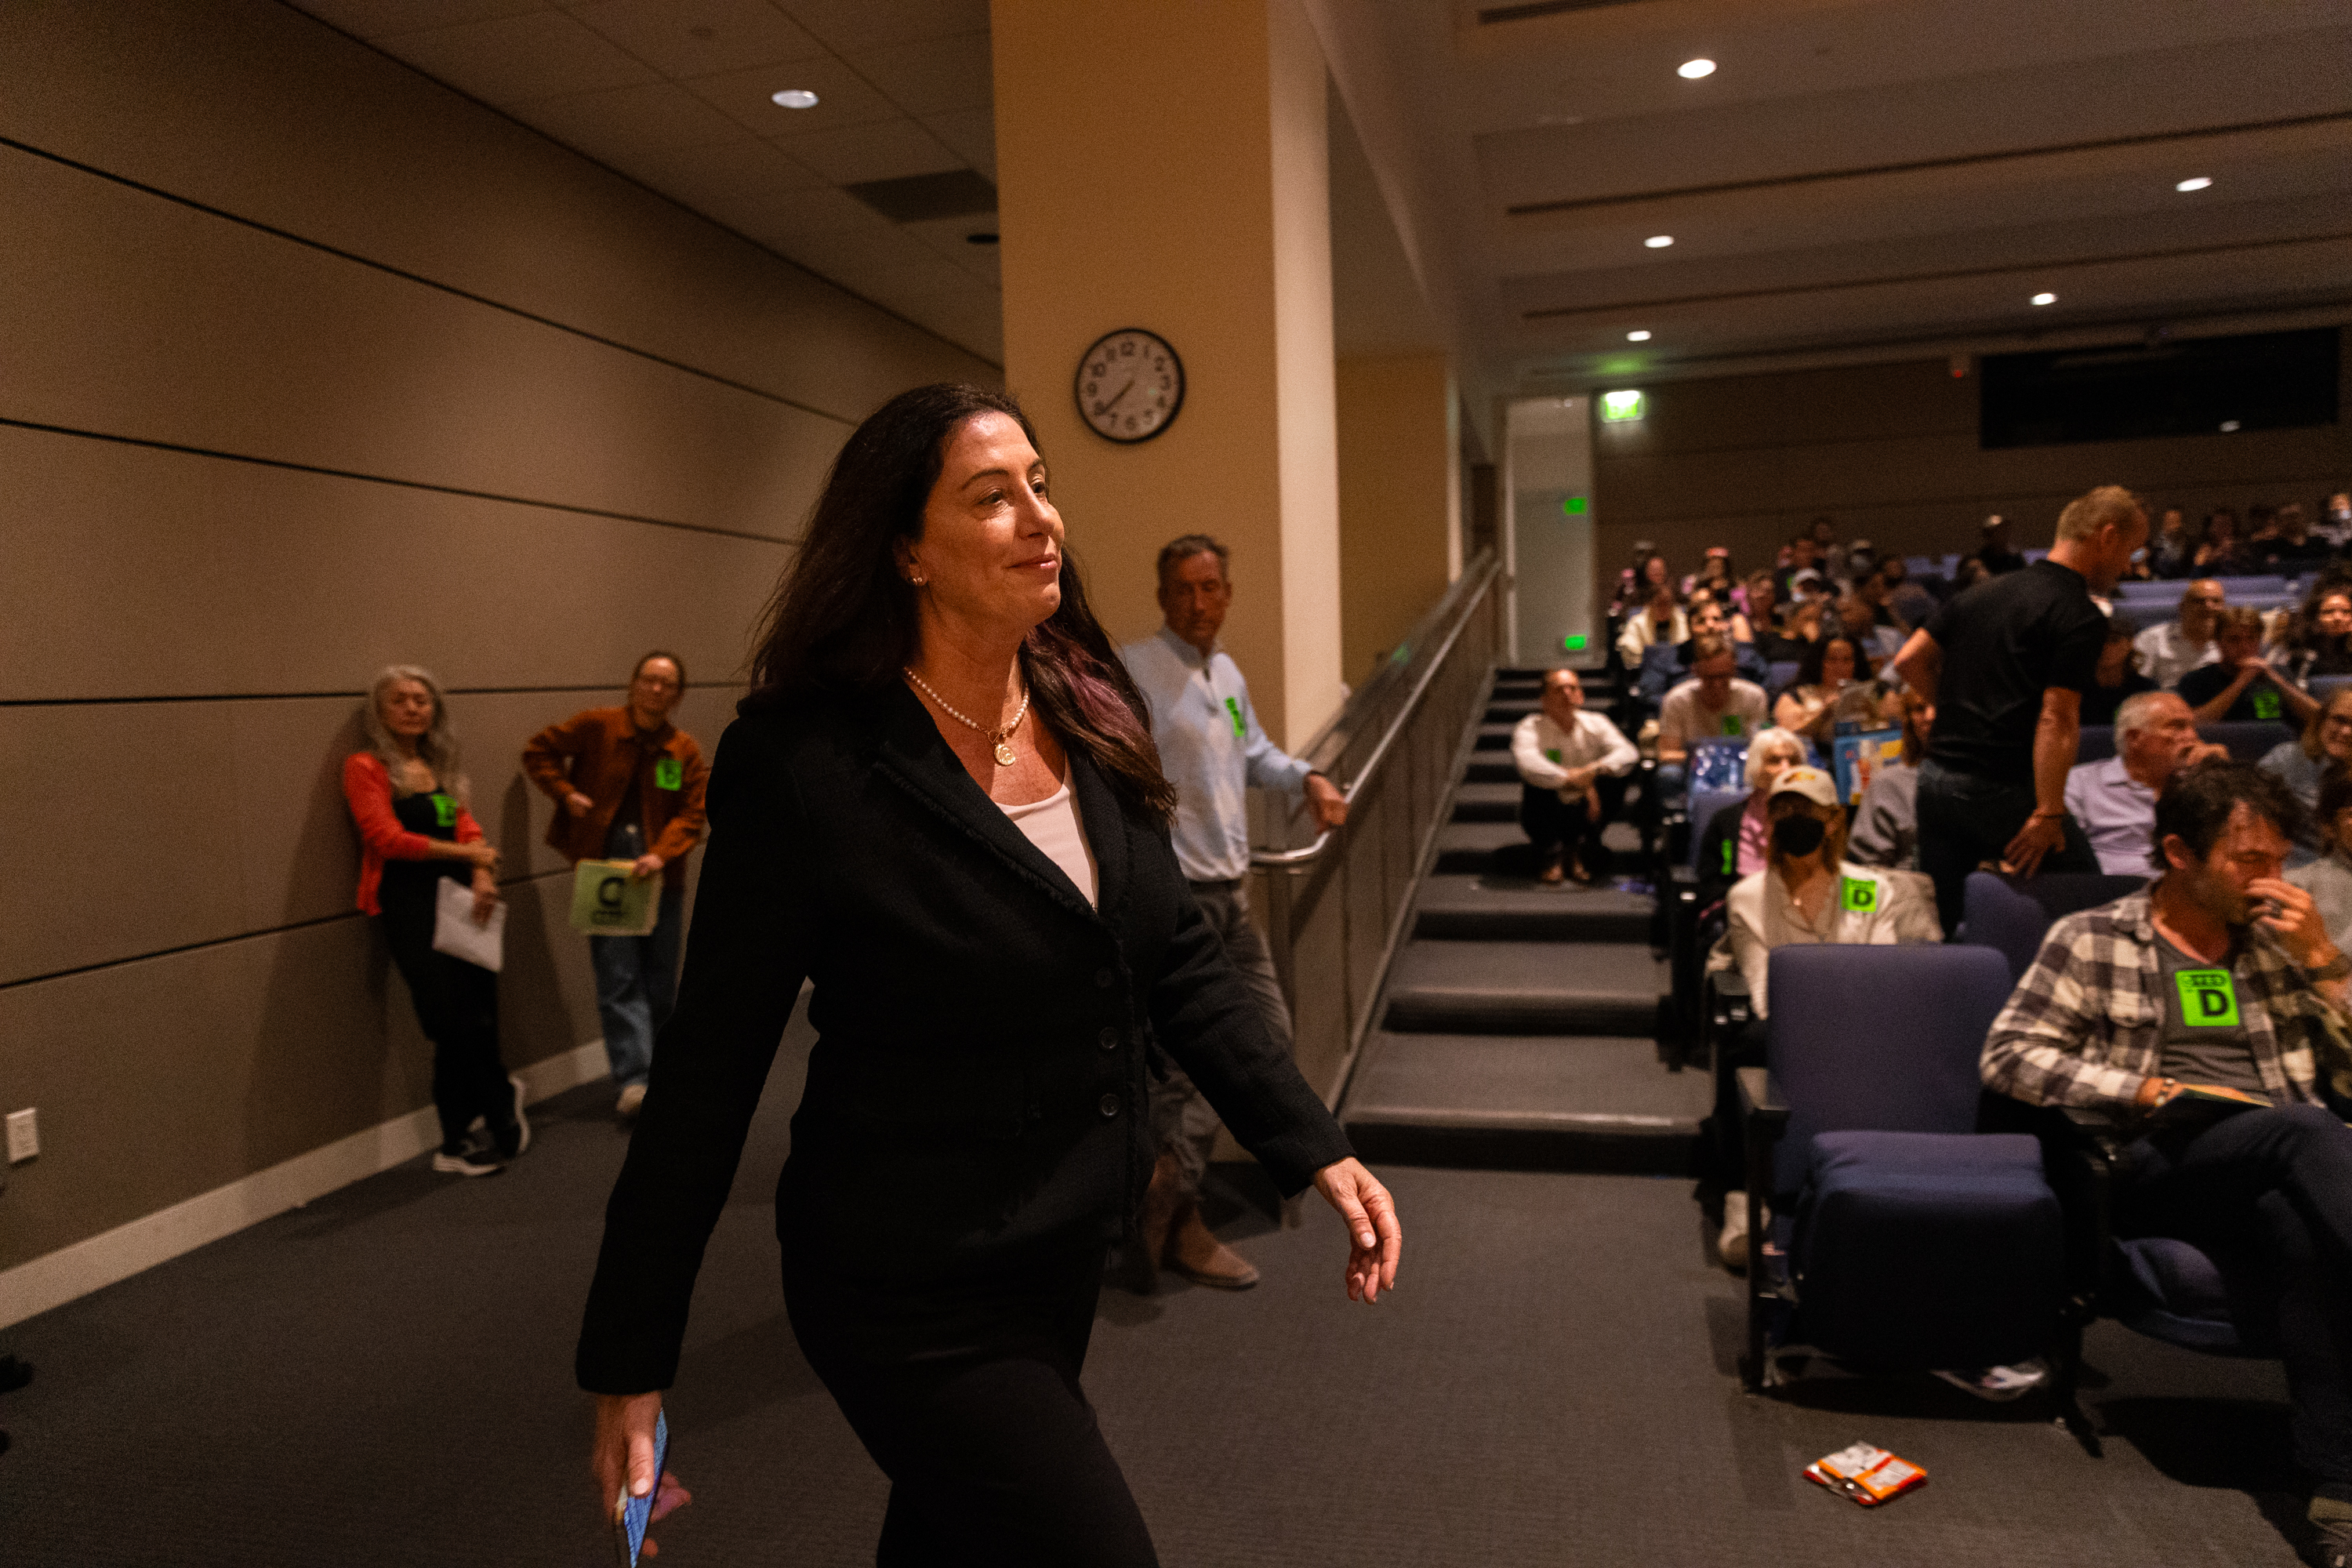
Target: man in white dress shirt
{"type": "Point", "coordinates": [1213, 751]}
{"type": "Point", "coordinates": [2170, 649]}
{"type": "Point", "coordinates": [1572, 765]}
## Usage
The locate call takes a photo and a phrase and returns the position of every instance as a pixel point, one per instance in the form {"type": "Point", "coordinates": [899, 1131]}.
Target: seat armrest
{"type": "Point", "coordinates": [1761, 1105]}
{"type": "Point", "coordinates": [1729, 1003]}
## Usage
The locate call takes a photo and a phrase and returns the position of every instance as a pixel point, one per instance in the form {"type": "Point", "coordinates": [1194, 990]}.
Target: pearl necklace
{"type": "Point", "coordinates": [1000, 739]}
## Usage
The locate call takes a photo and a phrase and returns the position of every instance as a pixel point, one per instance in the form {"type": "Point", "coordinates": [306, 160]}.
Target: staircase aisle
{"type": "Point", "coordinates": [1517, 1026]}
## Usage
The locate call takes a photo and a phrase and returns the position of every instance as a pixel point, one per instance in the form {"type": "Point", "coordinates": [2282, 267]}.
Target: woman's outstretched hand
{"type": "Point", "coordinates": [1375, 1238]}
{"type": "Point", "coordinates": [623, 1453]}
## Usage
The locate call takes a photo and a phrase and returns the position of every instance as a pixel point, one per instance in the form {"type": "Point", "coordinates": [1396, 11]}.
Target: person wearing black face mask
{"type": "Point", "coordinates": [1808, 892]}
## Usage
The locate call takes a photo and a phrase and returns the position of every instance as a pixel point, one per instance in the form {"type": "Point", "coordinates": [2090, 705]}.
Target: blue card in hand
{"type": "Point", "coordinates": [630, 1514]}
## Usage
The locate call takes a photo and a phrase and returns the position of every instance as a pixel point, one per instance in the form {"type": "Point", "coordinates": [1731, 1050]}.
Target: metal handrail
{"type": "Point", "coordinates": [1465, 592]}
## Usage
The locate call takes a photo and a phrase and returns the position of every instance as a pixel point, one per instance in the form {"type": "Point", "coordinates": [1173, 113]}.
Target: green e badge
{"type": "Point", "coordinates": [2267, 703]}
{"type": "Point", "coordinates": [1858, 896]}
{"type": "Point", "coordinates": [444, 809]}
{"type": "Point", "coordinates": [2208, 999]}
{"type": "Point", "coordinates": [1235, 709]}
{"type": "Point", "coordinates": [669, 773]}
{"type": "Point", "coordinates": [1734, 725]}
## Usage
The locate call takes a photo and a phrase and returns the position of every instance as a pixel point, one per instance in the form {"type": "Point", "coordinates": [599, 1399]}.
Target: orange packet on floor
{"type": "Point", "coordinates": [1868, 1475]}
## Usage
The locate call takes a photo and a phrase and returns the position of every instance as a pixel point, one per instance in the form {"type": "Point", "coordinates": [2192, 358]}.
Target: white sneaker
{"type": "Point", "coordinates": [631, 1097]}
{"type": "Point", "coordinates": [2000, 1383]}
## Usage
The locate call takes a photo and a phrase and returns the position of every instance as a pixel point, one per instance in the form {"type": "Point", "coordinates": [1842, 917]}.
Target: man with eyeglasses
{"type": "Point", "coordinates": [628, 785]}
{"type": "Point", "coordinates": [2171, 649]}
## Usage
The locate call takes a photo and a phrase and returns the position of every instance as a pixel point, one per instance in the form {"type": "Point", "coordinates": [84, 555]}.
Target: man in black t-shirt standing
{"type": "Point", "coordinates": [2006, 664]}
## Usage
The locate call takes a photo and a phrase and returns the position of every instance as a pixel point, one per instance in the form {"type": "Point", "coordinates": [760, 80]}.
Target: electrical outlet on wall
{"type": "Point", "coordinates": [24, 1135]}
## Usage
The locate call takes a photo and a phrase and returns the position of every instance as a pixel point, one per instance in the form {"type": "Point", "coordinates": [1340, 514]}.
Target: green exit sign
{"type": "Point", "coordinates": [1574, 506]}
{"type": "Point", "coordinates": [1571, 643]}
{"type": "Point", "coordinates": [1617, 408]}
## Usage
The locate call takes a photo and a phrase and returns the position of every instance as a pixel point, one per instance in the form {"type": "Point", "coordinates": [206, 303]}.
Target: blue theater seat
{"type": "Point", "coordinates": [2012, 915]}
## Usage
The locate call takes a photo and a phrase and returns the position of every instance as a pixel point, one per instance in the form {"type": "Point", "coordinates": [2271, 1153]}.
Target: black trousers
{"type": "Point", "coordinates": [458, 1007]}
{"type": "Point", "coordinates": [2268, 1196]}
{"type": "Point", "coordinates": [966, 1394]}
{"type": "Point", "coordinates": [1551, 823]}
{"type": "Point", "coordinates": [1965, 821]}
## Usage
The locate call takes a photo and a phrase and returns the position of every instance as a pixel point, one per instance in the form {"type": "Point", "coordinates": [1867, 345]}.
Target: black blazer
{"type": "Point", "coordinates": [977, 1094]}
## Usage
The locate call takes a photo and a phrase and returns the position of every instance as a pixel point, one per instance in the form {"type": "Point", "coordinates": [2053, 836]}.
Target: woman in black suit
{"type": "Point", "coordinates": [941, 804]}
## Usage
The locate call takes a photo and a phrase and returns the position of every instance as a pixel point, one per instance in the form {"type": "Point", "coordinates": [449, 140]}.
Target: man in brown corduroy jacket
{"type": "Point", "coordinates": [628, 785]}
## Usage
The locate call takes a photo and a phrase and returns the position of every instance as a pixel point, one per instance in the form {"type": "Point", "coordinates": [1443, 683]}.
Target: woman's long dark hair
{"type": "Point", "coordinates": [843, 620]}
{"type": "Point", "coordinates": [1809, 668]}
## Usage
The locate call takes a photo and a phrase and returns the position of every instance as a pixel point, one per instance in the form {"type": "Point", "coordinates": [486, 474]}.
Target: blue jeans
{"type": "Point", "coordinates": [636, 986]}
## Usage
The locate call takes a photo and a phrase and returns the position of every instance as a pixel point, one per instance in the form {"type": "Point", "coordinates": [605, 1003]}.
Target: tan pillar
{"type": "Point", "coordinates": [1400, 498]}
{"type": "Point", "coordinates": [1166, 166]}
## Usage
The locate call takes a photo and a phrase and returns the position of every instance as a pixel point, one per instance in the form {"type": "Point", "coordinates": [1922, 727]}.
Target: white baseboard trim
{"type": "Point", "coordinates": [57, 1277]}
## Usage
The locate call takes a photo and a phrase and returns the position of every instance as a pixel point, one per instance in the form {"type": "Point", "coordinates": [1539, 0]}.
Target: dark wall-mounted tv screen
{"type": "Point", "coordinates": [2263, 381]}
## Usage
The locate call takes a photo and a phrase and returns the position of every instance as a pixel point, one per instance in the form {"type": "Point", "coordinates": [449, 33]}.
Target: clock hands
{"type": "Point", "coordinates": [1122, 391]}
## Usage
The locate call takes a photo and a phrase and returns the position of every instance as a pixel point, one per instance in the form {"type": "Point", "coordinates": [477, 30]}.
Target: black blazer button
{"type": "Point", "coordinates": [1110, 1105]}
{"type": "Point", "coordinates": [1103, 978]}
{"type": "Point", "coordinates": [1109, 1038]}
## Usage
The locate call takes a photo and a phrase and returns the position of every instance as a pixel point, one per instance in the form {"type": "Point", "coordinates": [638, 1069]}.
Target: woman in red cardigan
{"type": "Point", "coordinates": [406, 796]}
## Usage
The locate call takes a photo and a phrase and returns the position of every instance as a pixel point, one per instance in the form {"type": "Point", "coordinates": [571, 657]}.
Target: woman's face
{"type": "Point", "coordinates": [990, 550]}
{"type": "Point", "coordinates": [406, 708]}
{"type": "Point", "coordinates": [1662, 606]}
{"type": "Point", "coordinates": [2336, 728]}
{"type": "Point", "coordinates": [2336, 614]}
{"type": "Point", "coordinates": [1837, 663]}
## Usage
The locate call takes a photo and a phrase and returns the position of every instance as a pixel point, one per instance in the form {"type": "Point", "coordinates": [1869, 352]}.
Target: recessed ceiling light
{"type": "Point", "coordinates": [794, 97]}
{"type": "Point", "coordinates": [1659, 241]}
{"type": "Point", "coordinates": [1692, 70]}
{"type": "Point", "coordinates": [2199, 184]}
{"type": "Point", "coordinates": [2229, 427]}
{"type": "Point", "coordinates": [2045, 298]}
{"type": "Point", "coordinates": [1639, 335]}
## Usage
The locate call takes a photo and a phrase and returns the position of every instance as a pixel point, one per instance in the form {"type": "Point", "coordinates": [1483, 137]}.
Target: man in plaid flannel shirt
{"type": "Point", "coordinates": [2223, 973]}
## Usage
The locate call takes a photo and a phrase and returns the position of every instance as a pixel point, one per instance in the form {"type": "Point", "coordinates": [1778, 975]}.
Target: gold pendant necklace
{"type": "Point", "coordinates": [1000, 739]}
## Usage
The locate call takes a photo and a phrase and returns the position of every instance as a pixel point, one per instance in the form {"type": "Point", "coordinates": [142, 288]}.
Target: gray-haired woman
{"type": "Point", "coordinates": [407, 799]}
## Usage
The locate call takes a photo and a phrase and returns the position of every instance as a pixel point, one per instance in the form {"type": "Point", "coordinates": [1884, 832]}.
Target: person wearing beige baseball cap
{"type": "Point", "coordinates": [1808, 892]}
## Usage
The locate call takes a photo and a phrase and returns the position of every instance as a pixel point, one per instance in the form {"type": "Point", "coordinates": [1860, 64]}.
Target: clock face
{"type": "Point", "coordinates": [1129, 385]}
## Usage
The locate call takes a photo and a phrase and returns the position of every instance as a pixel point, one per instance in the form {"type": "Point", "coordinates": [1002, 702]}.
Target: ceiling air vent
{"type": "Point", "coordinates": [1490, 14]}
{"type": "Point", "coordinates": [918, 198]}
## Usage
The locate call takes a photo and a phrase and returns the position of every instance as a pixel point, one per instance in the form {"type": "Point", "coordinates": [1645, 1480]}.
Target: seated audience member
{"type": "Point", "coordinates": [2319, 641]}
{"type": "Point", "coordinates": [2325, 747]}
{"type": "Point", "coordinates": [2220, 552]}
{"type": "Point", "coordinates": [1834, 686]}
{"type": "Point", "coordinates": [1732, 842]}
{"type": "Point", "coordinates": [1660, 620]}
{"type": "Point", "coordinates": [1714, 701]}
{"type": "Point", "coordinates": [1910, 601]}
{"type": "Point", "coordinates": [2336, 527]}
{"type": "Point", "coordinates": [1994, 552]}
{"type": "Point", "coordinates": [2116, 675]}
{"type": "Point", "coordinates": [1649, 574]}
{"type": "Point", "coordinates": [1873, 630]}
{"type": "Point", "coordinates": [1830, 557]}
{"type": "Point", "coordinates": [2113, 800]}
{"type": "Point", "coordinates": [2290, 549]}
{"type": "Point", "coordinates": [1759, 600]}
{"type": "Point", "coordinates": [1707, 620]}
{"type": "Point", "coordinates": [2328, 880]}
{"type": "Point", "coordinates": [1808, 892]}
{"type": "Point", "coordinates": [2168, 554]}
{"type": "Point", "coordinates": [1967, 575]}
{"type": "Point", "coordinates": [1861, 562]}
{"type": "Point", "coordinates": [1803, 555]}
{"type": "Point", "coordinates": [2170, 649]}
{"type": "Point", "coordinates": [1714, 572]}
{"type": "Point", "coordinates": [2240, 687]}
{"type": "Point", "coordinates": [1572, 765]}
{"type": "Point", "coordinates": [1886, 823]}
{"type": "Point", "coordinates": [2111, 1020]}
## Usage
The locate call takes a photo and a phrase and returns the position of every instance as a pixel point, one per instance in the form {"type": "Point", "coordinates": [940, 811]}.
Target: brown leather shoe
{"type": "Point", "coordinates": [1194, 1251]}
{"type": "Point", "coordinates": [1150, 1243]}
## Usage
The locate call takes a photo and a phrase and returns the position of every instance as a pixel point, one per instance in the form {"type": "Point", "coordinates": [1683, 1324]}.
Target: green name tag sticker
{"type": "Point", "coordinates": [1234, 708]}
{"type": "Point", "coordinates": [1734, 725]}
{"type": "Point", "coordinates": [1857, 895]}
{"type": "Point", "coordinates": [1728, 851]}
{"type": "Point", "coordinates": [669, 773]}
{"type": "Point", "coordinates": [2267, 703]}
{"type": "Point", "coordinates": [445, 810]}
{"type": "Point", "coordinates": [2208, 999]}
{"type": "Point", "coordinates": [1552, 752]}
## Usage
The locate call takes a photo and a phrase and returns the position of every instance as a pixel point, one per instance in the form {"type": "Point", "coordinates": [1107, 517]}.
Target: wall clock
{"type": "Point", "coordinates": [1129, 385]}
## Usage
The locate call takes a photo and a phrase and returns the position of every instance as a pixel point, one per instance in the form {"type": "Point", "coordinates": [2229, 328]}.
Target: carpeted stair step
{"type": "Point", "coordinates": [1508, 712]}
{"type": "Point", "coordinates": [1487, 801]}
{"type": "Point", "coordinates": [1524, 1102]}
{"type": "Point", "coordinates": [1493, 737]}
{"type": "Point", "coordinates": [1454, 908]}
{"type": "Point", "coordinates": [1491, 767]}
{"type": "Point", "coordinates": [1524, 987]}
{"type": "Point", "coordinates": [1464, 849]}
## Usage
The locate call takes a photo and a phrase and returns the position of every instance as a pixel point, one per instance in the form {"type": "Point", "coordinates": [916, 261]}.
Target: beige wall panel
{"type": "Point", "coordinates": [132, 572]}
{"type": "Point", "coordinates": [130, 315]}
{"type": "Point", "coordinates": [1395, 490]}
{"type": "Point", "coordinates": [199, 822]}
{"type": "Point", "coordinates": [263, 113]}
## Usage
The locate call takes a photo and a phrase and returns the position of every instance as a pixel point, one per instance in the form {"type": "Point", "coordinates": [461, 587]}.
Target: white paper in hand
{"type": "Point", "coordinates": [456, 932]}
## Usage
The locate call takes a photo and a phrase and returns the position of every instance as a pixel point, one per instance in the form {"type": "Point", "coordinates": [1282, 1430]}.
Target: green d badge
{"type": "Point", "coordinates": [1858, 896]}
{"type": "Point", "coordinates": [669, 773]}
{"type": "Point", "coordinates": [444, 809]}
{"type": "Point", "coordinates": [2208, 999]}
{"type": "Point", "coordinates": [2267, 703]}
{"type": "Point", "coordinates": [1734, 725]}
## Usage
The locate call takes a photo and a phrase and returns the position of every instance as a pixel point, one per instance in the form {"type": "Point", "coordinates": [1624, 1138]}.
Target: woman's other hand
{"type": "Point", "coordinates": [578, 805]}
{"type": "Point", "coordinates": [1375, 1238]}
{"type": "Point", "coordinates": [486, 897]}
{"type": "Point", "coordinates": [624, 1457]}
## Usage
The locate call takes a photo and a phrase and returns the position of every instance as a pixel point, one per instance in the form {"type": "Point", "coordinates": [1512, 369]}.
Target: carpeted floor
{"type": "Point", "coordinates": [384, 1378]}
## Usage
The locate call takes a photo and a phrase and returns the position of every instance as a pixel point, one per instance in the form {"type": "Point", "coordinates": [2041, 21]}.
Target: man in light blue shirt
{"type": "Point", "coordinates": [1213, 751]}
{"type": "Point", "coordinates": [2114, 800]}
